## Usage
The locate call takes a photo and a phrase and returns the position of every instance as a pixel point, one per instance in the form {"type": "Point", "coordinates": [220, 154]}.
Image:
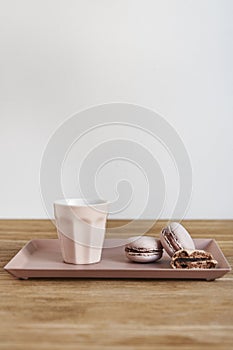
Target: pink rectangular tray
{"type": "Point", "coordinates": [42, 258]}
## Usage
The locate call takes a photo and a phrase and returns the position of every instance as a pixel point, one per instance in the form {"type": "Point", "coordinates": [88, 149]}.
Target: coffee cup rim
{"type": "Point", "coordinates": [80, 202]}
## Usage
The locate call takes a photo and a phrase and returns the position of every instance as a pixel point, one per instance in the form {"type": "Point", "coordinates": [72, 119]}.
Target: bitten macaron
{"type": "Point", "coordinates": [193, 259]}
{"type": "Point", "coordinates": [143, 249]}
{"type": "Point", "coordinates": [175, 237]}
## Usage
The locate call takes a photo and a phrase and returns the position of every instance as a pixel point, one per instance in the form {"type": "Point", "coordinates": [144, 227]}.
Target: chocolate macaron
{"type": "Point", "coordinates": [193, 259]}
{"type": "Point", "coordinates": [143, 249]}
{"type": "Point", "coordinates": [175, 237]}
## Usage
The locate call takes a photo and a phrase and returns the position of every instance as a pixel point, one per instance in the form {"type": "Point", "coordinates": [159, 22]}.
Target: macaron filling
{"type": "Point", "coordinates": [180, 260]}
{"type": "Point", "coordinates": [142, 250]}
{"type": "Point", "coordinates": [171, 239]}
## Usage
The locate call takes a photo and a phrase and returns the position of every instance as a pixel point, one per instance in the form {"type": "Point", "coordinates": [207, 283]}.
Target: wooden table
{"type": "Point", "coordinates": [114, 314]}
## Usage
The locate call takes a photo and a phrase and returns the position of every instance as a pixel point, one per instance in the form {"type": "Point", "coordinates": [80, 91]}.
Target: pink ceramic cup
{"type": "Point", "coordinates": [81, 226]}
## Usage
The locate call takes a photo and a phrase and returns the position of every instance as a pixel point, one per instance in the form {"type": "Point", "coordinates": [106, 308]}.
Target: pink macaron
{"type": "Point", "coordinates": [175, 237]}
{"type": "Point", "coordinates": [143, 249]}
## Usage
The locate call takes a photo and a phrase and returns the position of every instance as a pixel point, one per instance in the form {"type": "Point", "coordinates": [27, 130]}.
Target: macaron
{"type": "Point", "coordinates": [175, 237]}
{"type": "Point", "coordinates": [143, 249]}
{"type": "Point", "coordinates": [193, 259]}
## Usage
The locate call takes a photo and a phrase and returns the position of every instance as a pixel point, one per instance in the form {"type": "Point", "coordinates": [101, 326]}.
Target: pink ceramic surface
{"type": "Point", "coordinates": [81, 229]}
{"type": "Point", "coordinates": [42, 258]}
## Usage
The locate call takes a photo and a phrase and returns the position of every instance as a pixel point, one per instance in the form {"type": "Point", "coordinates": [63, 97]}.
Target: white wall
{"type": "Point", "coordinates": [59, 57]}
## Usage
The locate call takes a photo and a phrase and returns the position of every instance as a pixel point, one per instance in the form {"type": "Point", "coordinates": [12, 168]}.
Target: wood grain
{"type": "Point", "coordinates": [114, 314]}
